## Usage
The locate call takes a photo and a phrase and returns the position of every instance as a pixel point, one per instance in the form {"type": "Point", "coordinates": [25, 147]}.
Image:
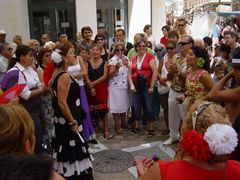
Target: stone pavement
{"type": "Point", "coordinates": [138, 146]}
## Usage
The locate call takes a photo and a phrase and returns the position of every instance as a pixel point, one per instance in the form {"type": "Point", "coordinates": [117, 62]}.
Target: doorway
{"type": "Point", "coordinates": [111, 15]}
{"type": "Point", "coordinates": [52, 17]}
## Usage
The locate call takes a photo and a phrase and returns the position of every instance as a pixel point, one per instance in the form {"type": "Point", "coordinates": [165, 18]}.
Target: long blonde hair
{"type": "Point", "coordinates": [16, 128]}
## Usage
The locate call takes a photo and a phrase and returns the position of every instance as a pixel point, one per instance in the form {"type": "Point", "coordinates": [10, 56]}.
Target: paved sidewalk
{"type": "Point", "coordinates": [138, 146]}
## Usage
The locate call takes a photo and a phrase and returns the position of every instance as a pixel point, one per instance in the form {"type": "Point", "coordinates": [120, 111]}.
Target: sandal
{"type": "Point", "coordinates": [108, 136]}
{"type": "Point", "coordinates": [120, 131]}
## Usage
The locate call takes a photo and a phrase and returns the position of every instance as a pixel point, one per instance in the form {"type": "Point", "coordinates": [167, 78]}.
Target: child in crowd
{"type": "Point", "coordinates": [219, 72]}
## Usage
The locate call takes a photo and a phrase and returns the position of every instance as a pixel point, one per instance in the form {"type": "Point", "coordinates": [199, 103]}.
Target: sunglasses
{"type": "Point", "coordinates": [169, 48]}
{"type": "Point", "coordinates": [143, 46]}
{"type": "Point", "coordinates": [119, 49]}
{"type": "Point", "coordinates": [10, 49]}
{"type": "Point", "coordinates": [181, 25]}
{"type": "Point", "coordinates": [100, 39]}
{"type": "Point", "coordinates": [183, 43]}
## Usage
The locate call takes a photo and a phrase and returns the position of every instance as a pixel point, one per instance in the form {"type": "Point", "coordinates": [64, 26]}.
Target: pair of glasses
{"type": "Point", "coordinates": [181, 25]}
{"type": "Point", "coordinates": [183, 43]}
{"type": "Point", "coordinates": [119, 50]}
{"type": "Point", "coordinates": [143, 46]}
{"type": "Point", "coordinates": [100, 39]}
{"type": "Point", "coordinates": [10, 49]}
{"type": "Point", "coordinates": [169, 48]}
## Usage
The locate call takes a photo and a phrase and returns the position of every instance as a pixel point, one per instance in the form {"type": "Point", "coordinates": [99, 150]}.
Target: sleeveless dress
{"type": "Point", "coordinates": [195, 88]}
{"type": "Point", "coordinates": [98, 103]}
{"type": "Point", "coordinates": [71, 156]}
{"type": "Point", "coordinates": [88, 129]}
{"type": "Point", "coordinates": [183, 170]}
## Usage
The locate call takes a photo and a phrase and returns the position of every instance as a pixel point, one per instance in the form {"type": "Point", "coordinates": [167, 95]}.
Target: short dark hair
{"type": "Point", "coordinates": [166, 27]}
{"type": "Point", "coordinates": [146, 27]}
{"type": "Point", "coordinates": [173, 34]}
{"type": "Point", "coordinates": [22, 50]}
{"type": "Point", "coordinates": [60, 33]}
{"type": "Point", "coordinates": [121, 30]}
{"type": "Point", "coordinates": [25, 167]}
{"type": "Point", "coordinates": [207, 40]}
{"type": "Point", "coordinates": [232, 34]}
{"type": "Point", "coordinates": [225, 48]}
{"type": "Point", "coordinates": [86, 28]}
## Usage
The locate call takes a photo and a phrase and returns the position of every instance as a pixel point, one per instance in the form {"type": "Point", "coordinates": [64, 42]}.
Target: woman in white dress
{"type": "Point", "coordinates": [118, 93]}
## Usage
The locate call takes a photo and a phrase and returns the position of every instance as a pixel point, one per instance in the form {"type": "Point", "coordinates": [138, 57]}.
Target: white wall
{"type": "Point", "coordinates": [14, 18]}
{"type": "Point", "coordinates": [86, 14]}
{"type": "Point", "coordinates": [139, 14]}
{"type": "Point", "coordinates": [158, 18]}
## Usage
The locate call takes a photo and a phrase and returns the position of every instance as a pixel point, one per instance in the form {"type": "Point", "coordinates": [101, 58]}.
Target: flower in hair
{"type": "Point", "coordinates": [221, 138]}
{"type": "Point", "coordinates": [200, 62]}
{"type": "Point", "coordinates": [195, 146]}
{"type": "Point", "coordinates": [56, 57]}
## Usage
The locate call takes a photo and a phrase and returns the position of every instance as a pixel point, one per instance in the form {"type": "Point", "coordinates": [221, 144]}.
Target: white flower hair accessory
{"type": "Point", "coordinates": [221, 138]}
{"type": "Point", "coordinates": [56, 57]}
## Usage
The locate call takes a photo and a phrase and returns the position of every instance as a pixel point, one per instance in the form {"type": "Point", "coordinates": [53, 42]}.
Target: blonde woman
{"type": "Point", "coordinates": [97, 92]}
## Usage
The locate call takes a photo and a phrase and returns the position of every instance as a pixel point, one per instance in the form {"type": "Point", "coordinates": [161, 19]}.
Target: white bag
{"type": "Point", "coordinates": [162, 89]}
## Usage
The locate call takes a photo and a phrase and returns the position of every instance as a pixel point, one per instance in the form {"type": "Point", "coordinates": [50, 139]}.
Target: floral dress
{"type": "Point", "coordinates": [194, 88]}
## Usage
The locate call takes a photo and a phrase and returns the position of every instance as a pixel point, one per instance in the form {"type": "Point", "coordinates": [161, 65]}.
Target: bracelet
{"type": "Point", "coordinates": [71, 124]}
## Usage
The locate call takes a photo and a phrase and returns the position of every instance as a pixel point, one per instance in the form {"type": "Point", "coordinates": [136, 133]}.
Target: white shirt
{"type": "Point", "coordinates": [120, 80]}
{"type": "Point", "coordinates": [75, 69]}
{"type": "Point", "coordinates": [26, 76]}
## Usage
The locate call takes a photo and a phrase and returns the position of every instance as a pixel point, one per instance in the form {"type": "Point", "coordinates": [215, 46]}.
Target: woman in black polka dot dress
{"type": "Point", "coordinates": [70, 151]}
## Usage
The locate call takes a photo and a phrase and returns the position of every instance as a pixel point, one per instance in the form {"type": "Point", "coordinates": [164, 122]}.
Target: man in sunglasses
{"type": "Point", "coordinates": [181, 27]}
{"type": "Point", "coordinates": [6, 53]}
{"type": "Point", "coordinates": [177, 73]}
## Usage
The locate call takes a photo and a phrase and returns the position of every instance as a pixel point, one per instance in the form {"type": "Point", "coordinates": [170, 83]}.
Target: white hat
{"type": "Point", "coordinates": [2, 32]}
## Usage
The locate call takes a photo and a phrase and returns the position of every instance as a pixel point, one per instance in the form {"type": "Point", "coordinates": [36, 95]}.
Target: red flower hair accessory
{"type": "Point", "coordinates": [195, 146]}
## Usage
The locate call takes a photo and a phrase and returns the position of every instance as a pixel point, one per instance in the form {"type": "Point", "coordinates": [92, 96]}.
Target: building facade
{"type": "Point", "coordinates": [32, 18]}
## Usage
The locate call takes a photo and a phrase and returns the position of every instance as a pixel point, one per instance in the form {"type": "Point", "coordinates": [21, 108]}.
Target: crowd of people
{"type": "Point", "coordinates": [73, 86]}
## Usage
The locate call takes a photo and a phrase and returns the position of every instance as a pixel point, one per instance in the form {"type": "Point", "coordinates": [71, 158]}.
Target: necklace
{"type": "Point", "coordinates": [96, 65]}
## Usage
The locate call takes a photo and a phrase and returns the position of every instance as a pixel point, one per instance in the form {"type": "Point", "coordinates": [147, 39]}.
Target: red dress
{"type": "Point", "coordinates": [98, 103]}
{"type": "Point", "coordinates": [183, 170]}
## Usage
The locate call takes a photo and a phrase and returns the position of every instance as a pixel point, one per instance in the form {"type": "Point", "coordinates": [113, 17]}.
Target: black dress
{"type": "Point", "coordinates": [70, 155]}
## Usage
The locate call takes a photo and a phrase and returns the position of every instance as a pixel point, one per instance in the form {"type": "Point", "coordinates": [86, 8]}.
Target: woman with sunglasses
{"type": "Point", "coordinates": [142, 77]}
{"type": "Point", "coordinates": [165, 80]}
{"type": "Point", "coordinates": [100, 39]}
{"type": "Point", "coordinates": [118, 94]}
